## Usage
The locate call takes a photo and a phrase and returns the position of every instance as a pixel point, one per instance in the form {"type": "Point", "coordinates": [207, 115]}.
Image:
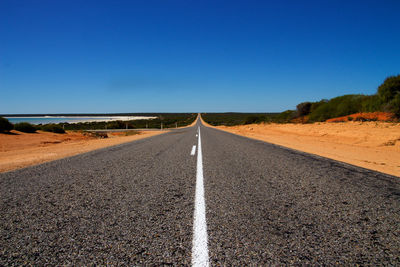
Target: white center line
{"type": "Point", "coordinates": [193, 150]}
{"type": "Point", "coordinates": [200, 247]}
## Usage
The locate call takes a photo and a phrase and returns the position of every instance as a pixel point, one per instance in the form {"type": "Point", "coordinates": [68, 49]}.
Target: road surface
{"type": "Point", "coordinates": [158, 201]}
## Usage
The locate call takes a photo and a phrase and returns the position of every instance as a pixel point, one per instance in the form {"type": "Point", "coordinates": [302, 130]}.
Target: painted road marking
{"type": "Point", "coordinates": [200, 247]}
{"type": "Point", "coordinates": [193, 150]}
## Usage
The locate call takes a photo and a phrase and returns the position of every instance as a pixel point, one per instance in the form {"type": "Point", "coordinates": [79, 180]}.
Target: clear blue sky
{"type": "Point", "coordinates": [188, 56]}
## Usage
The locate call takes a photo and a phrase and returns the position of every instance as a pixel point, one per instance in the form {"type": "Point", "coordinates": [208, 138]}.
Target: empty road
{"type": "Point", "coordinates": [198, 196]}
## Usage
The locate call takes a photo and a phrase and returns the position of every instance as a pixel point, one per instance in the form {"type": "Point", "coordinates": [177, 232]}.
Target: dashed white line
{"type": "Point", "coordinates": [193, 150]}
{"type": "Point", "coordinates": [200, 247]}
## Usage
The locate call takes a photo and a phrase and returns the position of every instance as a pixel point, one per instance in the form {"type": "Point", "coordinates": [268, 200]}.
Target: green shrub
{"type": "Point", "coordinates": [303, 109]}
{"type": "Point", "coordinates": [371, 103]}
{"type": "Point", "coordinates": [315, 105]}
{"type": "Point", "coordinates": [337, 107]}
{"type": "Point", "coordinates": [254, 119]}
{"type": "Point", "coordinates": [388, 90]}
{"type": "Point", "coordinates": [25, 127]}
{"type": "Point", "coordinates": [285, 116]}
{"type": "Point", "coordinates": [52, 128]}
{"type": "Point", "coordinates": [5, 125]}
{"type": "Point", "coordinates": [394, 105]}
{"type": "Point", "coordinates": [116, 125]}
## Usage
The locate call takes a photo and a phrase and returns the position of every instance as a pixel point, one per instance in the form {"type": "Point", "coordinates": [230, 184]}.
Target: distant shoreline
{"type": "Point", "coordinates": [145, 114]}
{"type": "Point", "coordinates": [79, 117]}
{"type": "Point", "coordinates": [73, 119]}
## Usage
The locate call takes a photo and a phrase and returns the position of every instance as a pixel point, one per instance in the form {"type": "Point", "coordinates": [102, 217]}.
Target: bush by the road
{"type": "Point", "coordinates": [389, 93]}
{"type": "Point", "coordinates": [285, 117]}
{"type": "Point", "coordinates": [5, 125]}
{"type": "Point", "coordinates": [116, 125]}
{"type": "Point", "coordinates": [25, 127]}
{"type": "Point", "coordinates": [303, 109]}
{"type": "Point", "coordinates": [52, 128]}
{"type": "Point", "coordinates": [394, 105]}
{"type": "Point", "coordinates": [254, 119]}
{"type": "Point", "coordinates": [371, 103]}
{"type": "Point", "coordinates": [389, 89]}
{"type": "Point", "coordinates": [386, 99]}
{"type": "Point", "coordinates": [337, 107]}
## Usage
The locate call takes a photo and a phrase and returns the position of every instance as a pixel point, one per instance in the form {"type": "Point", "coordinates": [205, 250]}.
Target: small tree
{"type": "Point", "coordinates": [316, 105]}
{"type": "Point", "coordinates": [395, 105]}
{"type": "Point", "coordinates": [5, 125]}
{"type": "Point", "coordinates": [303, 109]}
{"type": "Point", "coordinates": [25, 127]}
{"type": "Point", "coordinates": [52, 128]}
{"type": "Point", "coordinates": [389, 88]}
{"type": "Point", "coordinates": [253, 119]}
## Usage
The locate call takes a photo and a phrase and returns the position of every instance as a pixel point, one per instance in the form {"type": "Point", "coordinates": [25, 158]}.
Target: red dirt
{"type": "Point", "coordinates": [303, 119]}
{"type": "Point", "coordinates": [18, 150]}
{"type": "Point", "coordinates": [375, 116]}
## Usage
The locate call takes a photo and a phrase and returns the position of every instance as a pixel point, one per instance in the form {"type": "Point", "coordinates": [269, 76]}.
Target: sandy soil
{"type": "Point", "coordinates": [19, 150]}
{"type": "Point", "coordinates": [372, 145]}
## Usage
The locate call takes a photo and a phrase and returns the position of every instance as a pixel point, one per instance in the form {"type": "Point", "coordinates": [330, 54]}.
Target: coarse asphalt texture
{"type": "Point", "coordinates": [133, 204]}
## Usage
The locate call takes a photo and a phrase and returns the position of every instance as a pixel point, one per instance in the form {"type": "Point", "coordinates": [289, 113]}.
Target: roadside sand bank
{"type": "Point", "coordinates": [372, 145]}
{"type": "Point", "coordinates": [18, 150]}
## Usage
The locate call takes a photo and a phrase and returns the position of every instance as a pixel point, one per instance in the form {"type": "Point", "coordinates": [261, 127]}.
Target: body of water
{"type": "Point", "coordinates": [51, 119]}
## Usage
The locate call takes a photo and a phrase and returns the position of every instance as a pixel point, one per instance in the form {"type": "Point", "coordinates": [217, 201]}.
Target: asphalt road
{"type": "Point", "coordinates": [133, 204]}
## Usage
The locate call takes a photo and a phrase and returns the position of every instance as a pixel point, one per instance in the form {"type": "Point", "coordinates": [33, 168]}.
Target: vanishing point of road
{"type": "Point", "coordinates": [198, 196]}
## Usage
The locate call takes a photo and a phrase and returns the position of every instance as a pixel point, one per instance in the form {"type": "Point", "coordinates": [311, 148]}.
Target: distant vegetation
{"type": "Point", "coordinates": [232, 118]}
{"type": "Point", "coordinates": [167, 120]}
{"type": "Point", "coordinates": [387, 99]}
{"type": "Point", "coordinates": [54, 128]}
